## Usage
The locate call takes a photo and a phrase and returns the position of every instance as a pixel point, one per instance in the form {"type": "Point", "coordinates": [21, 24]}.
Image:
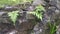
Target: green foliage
{"type": "Point", "coordinates": [8, 2]}
{"type": "Point", "coordinates": [26, 1]}
{"type": "Point", "coordinates": [13, 16]}
{"type": "Point", "coordinates": [52, 28]}
{"type": "Point", "coordinates": [38, 12]}
{"type": "Point", "coordinates": [40, 8]}
{"type": "Point", "coordinates": [13, 2]}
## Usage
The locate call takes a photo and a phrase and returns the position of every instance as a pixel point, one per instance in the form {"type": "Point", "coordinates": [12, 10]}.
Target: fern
{"type": "Point", "coordinates": [38, 12]}
{"type": "Point", "coordinates": [13, 16]}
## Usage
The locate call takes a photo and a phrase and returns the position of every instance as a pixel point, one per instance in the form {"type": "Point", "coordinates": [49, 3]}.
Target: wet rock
{"type": "Point", "coordinates": [1, 13]}
{"type": "Point", "coordinates": [6, 28]}
{"type": "Point", "coordinates": [58, 4]}
{"type": "Point", "coordinates": [53, 3]}
{"type": "Point", "coordinates": [38, 2]}
{"type": "Point", "coordinates": [38, 29]}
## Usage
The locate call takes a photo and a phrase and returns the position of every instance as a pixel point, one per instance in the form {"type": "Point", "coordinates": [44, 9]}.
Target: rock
{"type": "Point", "coordinates": [6, 28]}
{"type": "Point", "coordinates": [38, 2]}
{"type": "Point", "coordinates": [38, 29]}
{"type": "Point", "coordinates": [58, 4]}
{"type": "Point", "coordinates": [58, 29]}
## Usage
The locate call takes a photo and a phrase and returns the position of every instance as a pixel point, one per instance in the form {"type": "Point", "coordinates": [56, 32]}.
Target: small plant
{"type": "Point", "coordinates": [13, 16]}
{"type": "Point", "coordinates": [52, 28]}
{"type": "Point", "coordinates": [38, 12]}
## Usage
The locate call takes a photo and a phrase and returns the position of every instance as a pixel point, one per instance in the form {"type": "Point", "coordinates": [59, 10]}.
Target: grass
{"type": "Point", "coordinates": [52, 28]}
